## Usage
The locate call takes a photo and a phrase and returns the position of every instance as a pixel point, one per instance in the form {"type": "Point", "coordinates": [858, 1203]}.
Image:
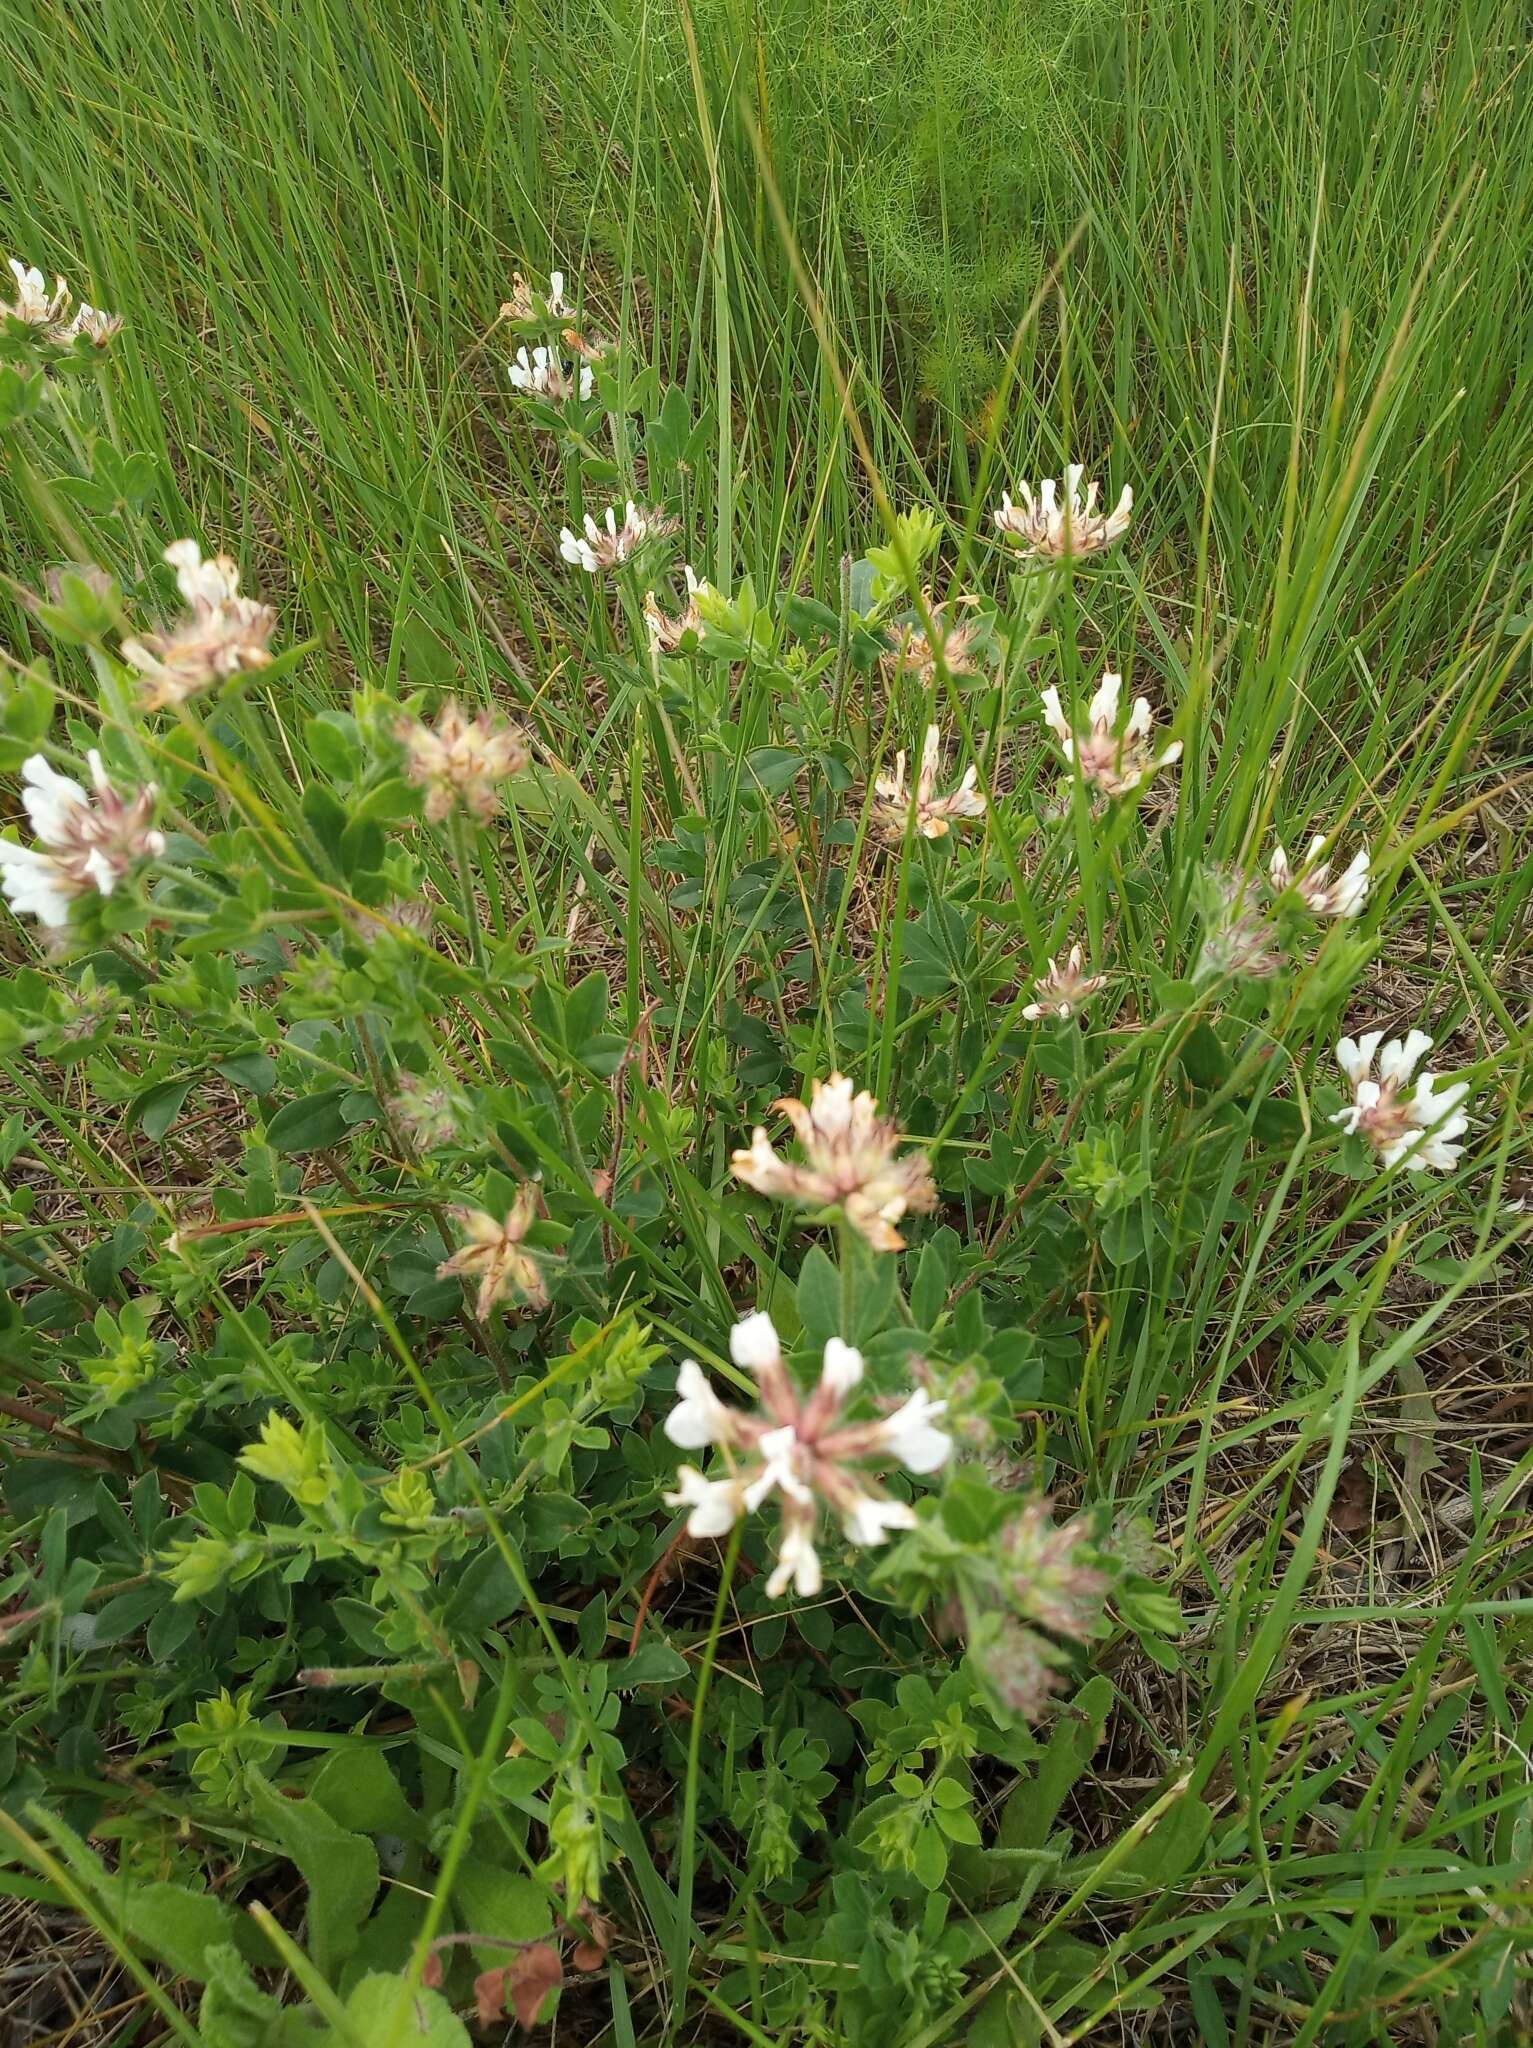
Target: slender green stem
{"type": "Point", "coordinates": [688, 1856]}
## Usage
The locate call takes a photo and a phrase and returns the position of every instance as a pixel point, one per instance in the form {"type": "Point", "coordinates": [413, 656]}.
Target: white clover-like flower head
{"type": "Point", "coordinates": [462, 759]}
{"type": "Point", "coordinates": [221, 633]}
{"type": "Point", "coordinates": [1064, 988]}
{"type": "Point", "coordinates": [800, 1448]}
{"type": "Point", "coordinates": [1110, 762]}
{"type": "Point", "coordinates": [934, 815]}
{"type": "Point", "coordinates": [607, 545]}
{"type": "Point", "coordinates": [850, 1163]}
{"type": "Point", "coordinates": [1320, 895]}
{"type": "Point", "coordinates": [543, 375]}
{"type": "Point", "coordinates": [1053, 524]}
{"type": "Point", "coordinates": [86, 841]}
{"type": "Point", "coordinates": [1418, 1124]}
{"type": "Point", "coordinates": [91, 325]}
{"type": "Point", "coordinates": [33, 304]}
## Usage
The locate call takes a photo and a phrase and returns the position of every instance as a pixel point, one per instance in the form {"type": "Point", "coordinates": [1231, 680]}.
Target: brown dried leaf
{"type": "Point", "coordinates": [591, 1952]}
{"type": "Point", "coordinates": [490, 1994]}
{"type": "Point", "coordinates": [535, 1973]}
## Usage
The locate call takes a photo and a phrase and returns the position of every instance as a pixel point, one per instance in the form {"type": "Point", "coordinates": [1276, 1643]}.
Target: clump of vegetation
{"type": "Point", "coordinates": [921, 154]}
{"type": "Point", "coordinates": [759, 1187]}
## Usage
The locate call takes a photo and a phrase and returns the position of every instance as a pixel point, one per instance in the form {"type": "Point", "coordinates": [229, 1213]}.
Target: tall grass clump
{"type": "Point", "coordinates": [762, 1145]}
{"type": "Point", "coordinates": [913, 160]}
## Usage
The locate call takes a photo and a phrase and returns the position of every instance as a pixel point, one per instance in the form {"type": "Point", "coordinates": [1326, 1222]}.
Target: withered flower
{"type": "Point", "coordinates": [935, 814]}
{"type": "Point", "coordinates": [493, 1254]}
{"type": "Point", "coordinates": [851, 1164]}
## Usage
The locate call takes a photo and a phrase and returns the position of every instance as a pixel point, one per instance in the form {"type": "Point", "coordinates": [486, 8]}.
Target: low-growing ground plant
{"type": "Point", "coordinates": [765, 1271]}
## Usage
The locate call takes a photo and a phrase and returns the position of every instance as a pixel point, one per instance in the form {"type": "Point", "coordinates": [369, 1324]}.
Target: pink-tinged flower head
{"type": "Point", "coordinates": [1065, 988]}
{"type": "Point", "coordinates": [801, 1449]}
{"type": "Point", "coordinates": [542, 375]}
{"type": "Point", "coordinates": [666, 629]}
{"type": "Point", "coordinates": [462, 759]}
{"type": "Point", "coordinates": [1055, 524]}
{"type": "Point", "coordinates": [935, 814]}
{"type": "Point", "coordinates": [424, 1112]}
{"type": "Point", "coordinates": [91, 325]}
{"type": "Point", "coordinates": [609, 545]}
{"type": "Point", "coordinates": [492, 1254]}
{"type": "Point", "coordinates": [849, 1163]}
{"type": "Point", "coordinates": [1416, 1125]}
{"type": "Point", "coordinates": [956, 642]}
{"type": "Point", "coordinates": [1321, 896]}
{"type": "Point", "coordinates": [85, 841]}
{"type": "Point", "coordinates": [221, 633]}
{"type": "Point", "coordinates": [1049, 1579]}
{"type": "Point", "coordinates": [1238, 939]}
{"type": "Point", "coordinates": [1111, 762]}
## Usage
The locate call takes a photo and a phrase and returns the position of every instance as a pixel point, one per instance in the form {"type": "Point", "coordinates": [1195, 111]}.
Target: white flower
{"type": "Point", "coordinates": [85, 842]}
{"type": "Point", "coordinates": [1415, 1125]}
{"type": "Point", "coordinates": [801, 1449]}
{"type": "Point", "coordinates": [870, 1520]}
{"type": "Point", "coordinates": [798, 1563]}
{"type": "Point", "coordinates": [221, 634]}
{"type": "Point", "coordinates": [934, 814]}
{"type": "Point", "coordinates": [34, 305]}
{"type": "Point", "coordinates": [1054, 526]}
{"type": "Point", "coordinates": [1111, 762]}
{"type": "Point", "coordinates": [92, 325]}
{"type": "Point", "coordinates": [542, 374]}
{"type": "Point", "coordinates": [699, 1417]}
{"type": "Point", "coordinates": [1064, 988]}
{"type": "Point", "coordinates": [1321, 896]}
{"type": "Point", "coordinates": [716, 1504]}
{"type": "Point", "coordinates": [909, 1438]}
{"type": "Point", "coordinates": [851, 1166]}
{"type": "Point", "coordinates": [753, 1342]}
{"type": "Point", "coordinates": [610, 545]}
{"type": "Point", "coordinates": [843, 1368]}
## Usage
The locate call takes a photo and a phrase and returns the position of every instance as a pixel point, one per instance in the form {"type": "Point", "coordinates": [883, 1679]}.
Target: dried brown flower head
{"type": "Point", "coordinates": [493, 1254]}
